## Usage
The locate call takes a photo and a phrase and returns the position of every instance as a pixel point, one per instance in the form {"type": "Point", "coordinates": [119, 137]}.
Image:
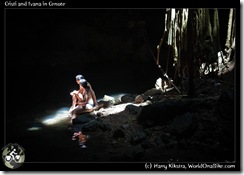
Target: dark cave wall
{"type": "Point", "coordinates": [84, 36]}
{"type": "Point", "coordinates": [53, 37]}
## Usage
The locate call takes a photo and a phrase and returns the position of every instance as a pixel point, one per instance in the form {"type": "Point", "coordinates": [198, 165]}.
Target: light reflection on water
{"type": "Point", "coordinates": [34, 128]}
{"type": "Point", "coordinates": [59, 116]}
{"type": "Point", "coordinates": [56, 117]}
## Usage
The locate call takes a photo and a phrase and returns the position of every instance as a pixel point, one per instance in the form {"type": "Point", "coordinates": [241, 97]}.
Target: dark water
{"type": "Point", "coordinates": [36, 92]}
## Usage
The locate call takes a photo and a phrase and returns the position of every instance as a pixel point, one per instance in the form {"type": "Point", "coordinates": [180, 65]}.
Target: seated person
{"type": "Point", "coordinates": [83, 100]}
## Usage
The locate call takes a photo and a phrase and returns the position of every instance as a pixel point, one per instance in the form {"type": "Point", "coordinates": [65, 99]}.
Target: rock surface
{"type": "Point", "coordinates": [165, 126]}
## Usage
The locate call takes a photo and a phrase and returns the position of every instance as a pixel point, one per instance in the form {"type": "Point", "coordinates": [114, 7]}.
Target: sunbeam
{"type": "Point", "coordinates": [59, 116]}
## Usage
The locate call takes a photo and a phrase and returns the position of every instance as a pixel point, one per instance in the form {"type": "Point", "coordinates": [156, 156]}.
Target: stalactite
{"type": "Point", "coordinates": [191, 38]}
{"type": "Point", "coordinates": [208, 27]}
{"type": "Point", "coordinates": [175, 36]}
{"type": "Point", "coordinates": [216, 38]}
{"type": "Point", "coordinates": [233, 33]}
{"type": "Point", "coordinates": [227, 43]}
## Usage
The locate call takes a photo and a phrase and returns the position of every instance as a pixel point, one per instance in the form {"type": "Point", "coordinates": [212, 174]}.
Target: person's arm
{"type": "Point", "coordinates": [94, 98]}
{"type": "Point", "coordinates": [74, 99]}
{"type": "Point", "coordinates": [74, 95]}
{"type": "Point", "coordinates": [74, 92]}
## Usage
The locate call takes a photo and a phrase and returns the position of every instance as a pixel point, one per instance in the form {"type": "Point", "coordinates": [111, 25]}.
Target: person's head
{"type": "Point", "coordinates": [79, 78]}
{"type": "Point", "coordinates": [83, 83]}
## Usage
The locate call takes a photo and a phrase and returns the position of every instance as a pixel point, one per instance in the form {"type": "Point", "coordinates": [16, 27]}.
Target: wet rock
{"type": "Point", "coordinates": [84, 122]}
{"type": "Point", "coordinates": [182, 143]}
{"type": "Point", "coordinates": [109, 99]}
{"type": "Point", "coordinates": [118, 133]}
{"type": "Point", "coordinates": [168, 124]}
{"type": "Point", "coordinates": [172, 144]}
{"type": "Point", "coordinates": [153, 92]}
{"type": "Point", "coordinates": [163, 112]}
{"type": "Point", "coordinates": [132, 109]}
{"type": "Point", "coordinates": [140, 98]}
{"type": "Point", "coordinates": [138, 152]}
{"type": "Point", "coordinates": [138, 137]}
{"type": "Point", "coordinates": [125, 126]}
{"type": "Point", "coordinates": [201, 135]}
{"type": "Point", "coordinates": [104, 127]}
{"type": "Point", "coordinates": [183, 125]}
{"type": "Point", "coordinates": [81, 119]}
{"type": "Point", "coordinates": [152, 95]}
{"type": "Point", "coordinates": [146, 103]}
{"type": "Point", "coordinates": [91, 125]}
{"type": "Point", "coordinates": [146, 144]}
{"type": "Point", "coordinates": [115, 143]}
{"type": "Point", "coordinates": [135, 152]}
{"type": "Point", "coordinates": [225, 105]}
{"type": "Point", "coordinates": [105, 104]}
{"type": "Point", "coordinates": [158, 141]}
{"type": "Point", "coordinates": [166, 137]}
{"type": "Point", "coordinates": [127, 98]}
